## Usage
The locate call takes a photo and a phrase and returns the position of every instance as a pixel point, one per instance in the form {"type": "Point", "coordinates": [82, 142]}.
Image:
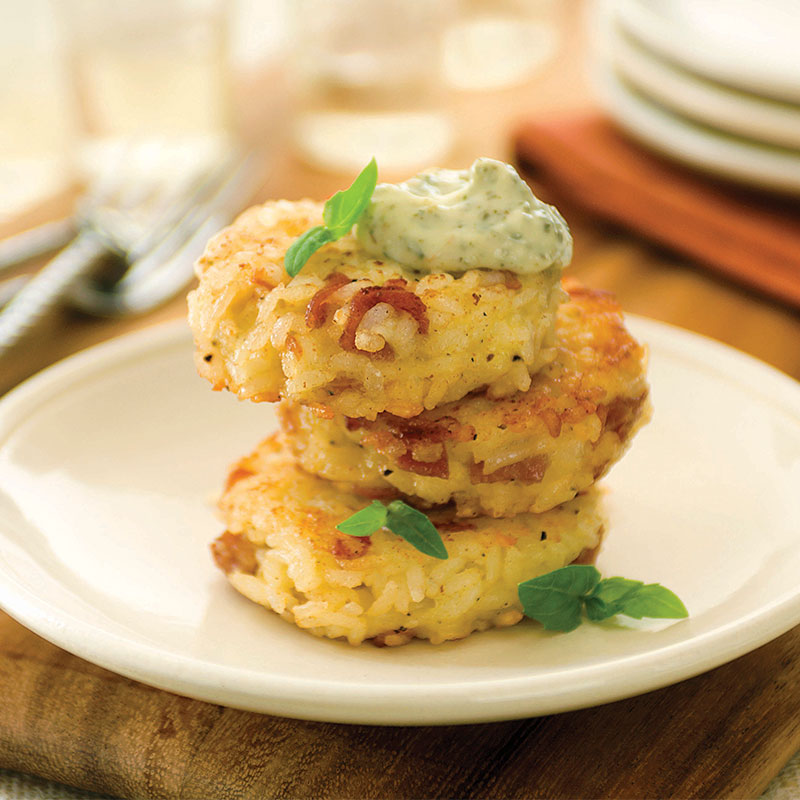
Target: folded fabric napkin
{"type": "Point", "coordinates": [749, 236]}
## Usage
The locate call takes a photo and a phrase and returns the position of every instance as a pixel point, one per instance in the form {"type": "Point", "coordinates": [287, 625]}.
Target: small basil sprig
{"type": "Point", "coordinates": [558, 598]}
{"type": "Point", "coordinates": [341, 212]}
{"type": "Point", "coordinates": [399, 518]}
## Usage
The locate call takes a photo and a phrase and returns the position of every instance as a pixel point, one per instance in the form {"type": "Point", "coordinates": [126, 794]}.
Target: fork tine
{"type": "Point", "coordinates": [162, 256]}
{"type": "Point", "coordinates": [153, 288]}
{"type": "Point", "coordinates": [221, 195]}
{"type": "Point", "coordinates": [10, 287]}
{"type": "Point", "coordinates": [35, 242]}
{"type": "Point", "coordinates": [50, 236]}
{"type": "Point", "coordinates": [166, 269]}
{"type": "Point", "coordinates": [189, 191]}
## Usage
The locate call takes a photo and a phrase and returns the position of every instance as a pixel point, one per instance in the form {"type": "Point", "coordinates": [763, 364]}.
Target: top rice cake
{"type": "Point", "coordinates": [355, 335]}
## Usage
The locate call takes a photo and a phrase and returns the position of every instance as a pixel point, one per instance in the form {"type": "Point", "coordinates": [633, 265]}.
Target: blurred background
{"type": "Point", "coordinates": [346, 80]}
{"type": "Point", "coordinates": [142, 127]}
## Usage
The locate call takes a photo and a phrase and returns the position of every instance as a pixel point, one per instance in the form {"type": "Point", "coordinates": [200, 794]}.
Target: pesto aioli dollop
{"type": "Point", "coordinates": [446, 220]}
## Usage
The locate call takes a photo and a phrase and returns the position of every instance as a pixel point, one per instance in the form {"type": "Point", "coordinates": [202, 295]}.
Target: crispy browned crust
{"type": "Point", "coordinates": [593, 396]}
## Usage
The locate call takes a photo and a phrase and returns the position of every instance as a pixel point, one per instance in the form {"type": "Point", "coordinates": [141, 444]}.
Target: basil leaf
{"type": "Point", "coordinates": [304, 247]}
{"type": "Point", "coordinates": [556, 598]}
{"type": "Point", "coordinates": [366, 521]}
{"type": "Point", "coordinates": [597, 610]}
{"type": "Point", "coordinates": [344, 208]}
{"type": "Point", "coordinates": [402, 520]}
{"type": "Point", "coordinates": [415, 528]}
{"type": "Point", "coordinates": [609, 596]}
{"type": "Point", "coordinates": [556, 611]}
{"type": "Point", "coordinates": [654, 600]}
{"type": "Point", "coordinates": [341, 212]}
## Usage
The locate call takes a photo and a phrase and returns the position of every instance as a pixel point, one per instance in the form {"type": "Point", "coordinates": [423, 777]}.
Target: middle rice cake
{"type": "Point", "coordinates": [497, 457]}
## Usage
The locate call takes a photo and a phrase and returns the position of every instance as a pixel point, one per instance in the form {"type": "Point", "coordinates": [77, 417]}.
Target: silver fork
{"type": "Point", "coordinates": [155, 229]}
{"type": "Point", "coordinates": [168, 266]}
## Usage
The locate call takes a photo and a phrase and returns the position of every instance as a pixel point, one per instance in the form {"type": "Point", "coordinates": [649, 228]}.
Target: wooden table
{"type": "Point", "coordinates": [726, 733]}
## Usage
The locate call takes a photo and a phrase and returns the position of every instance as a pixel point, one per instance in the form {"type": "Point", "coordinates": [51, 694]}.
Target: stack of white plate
{"type": "Point", "coordinates": [713, 83]}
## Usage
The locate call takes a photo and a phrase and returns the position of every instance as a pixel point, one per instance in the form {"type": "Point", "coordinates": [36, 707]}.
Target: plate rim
{"type": "Point", "coordinates": [303, 698]}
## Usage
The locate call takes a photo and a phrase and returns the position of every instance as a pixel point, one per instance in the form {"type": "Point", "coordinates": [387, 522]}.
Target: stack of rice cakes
{"type": "Point", "coordinates": [490, 400]}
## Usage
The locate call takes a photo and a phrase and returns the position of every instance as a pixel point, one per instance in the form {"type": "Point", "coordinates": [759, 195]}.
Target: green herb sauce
{"type": "Point", "coordinates": [453, 220]}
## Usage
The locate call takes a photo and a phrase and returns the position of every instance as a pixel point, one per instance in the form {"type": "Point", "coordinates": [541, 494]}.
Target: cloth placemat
{"type": "Point", "coordinates": [749, 236]}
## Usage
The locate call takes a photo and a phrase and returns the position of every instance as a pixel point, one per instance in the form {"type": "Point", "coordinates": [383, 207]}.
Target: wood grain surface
{"type": "Point", "coordinates": [724, 734]}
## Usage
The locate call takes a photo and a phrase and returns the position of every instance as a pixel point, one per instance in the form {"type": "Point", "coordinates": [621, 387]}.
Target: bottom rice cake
{"type": "Point", "coordinates": [281, 549]}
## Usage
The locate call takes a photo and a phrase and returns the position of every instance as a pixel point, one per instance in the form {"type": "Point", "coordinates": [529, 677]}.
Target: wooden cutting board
{"type": "Point", "coordinates": [724, 734]}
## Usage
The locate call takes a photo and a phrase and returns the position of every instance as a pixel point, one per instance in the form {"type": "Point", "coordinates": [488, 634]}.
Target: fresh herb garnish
{"type": "Point", "coordinates": [558, 598]}
{"type": "Point", "coordinates": [401, 519]}
{"type": "Point", "coordinates": [341, 212]}
{"type": "Point", "coordinates": [304, 247]}
{"type": "Point", "coordinates": [366, 521]}
{"type": "Point", "coordinates": [415, 528]}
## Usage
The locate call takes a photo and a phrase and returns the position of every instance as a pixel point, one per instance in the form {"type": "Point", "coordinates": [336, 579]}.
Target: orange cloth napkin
{"type": "Point", "coordinates": [746, 235]}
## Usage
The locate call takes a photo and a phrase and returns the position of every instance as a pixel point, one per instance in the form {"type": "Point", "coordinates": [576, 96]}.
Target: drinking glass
{"type": "Point", "coordinates": [149, 69]}
{"type": "Point", "coordinates": [366, 77]}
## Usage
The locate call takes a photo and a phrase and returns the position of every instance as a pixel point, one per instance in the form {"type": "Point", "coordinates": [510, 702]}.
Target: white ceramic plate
{"type": "Point", "coordinates": [749, 44]}
{"type": "Point", "coordinates": [713, 151]}
{"type": "Point", "coordinates": [688, 94]}
{"type": "Point", "coordinates": [107, 462]}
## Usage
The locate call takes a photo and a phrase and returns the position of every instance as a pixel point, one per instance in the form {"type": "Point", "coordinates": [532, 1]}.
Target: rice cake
{"type": "Point", "coordinates": [281, 549]}
{"type": "Point", "coordinates": [498, 457]}
{"type": "Point", "coordinates": [356, 335]}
